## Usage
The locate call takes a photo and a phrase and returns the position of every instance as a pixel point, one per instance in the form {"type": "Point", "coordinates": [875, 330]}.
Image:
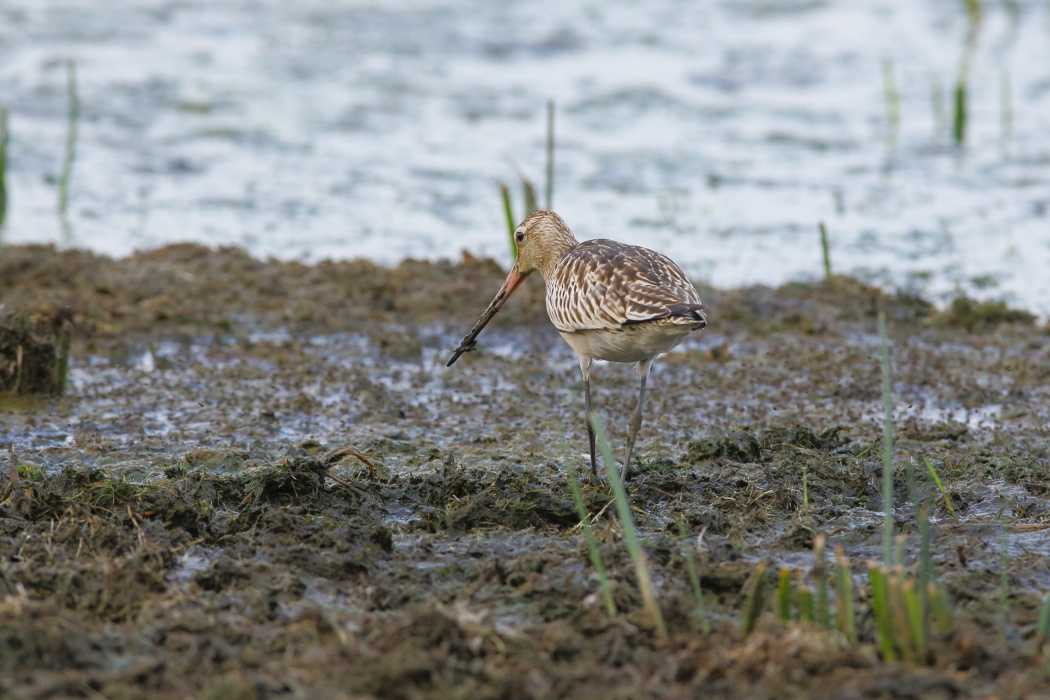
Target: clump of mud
{"type": "Point", "coordinates": [34, 354]}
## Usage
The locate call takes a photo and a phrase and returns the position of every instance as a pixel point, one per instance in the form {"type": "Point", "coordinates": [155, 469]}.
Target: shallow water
{"type": "Point", "coordinates": [719, 132]}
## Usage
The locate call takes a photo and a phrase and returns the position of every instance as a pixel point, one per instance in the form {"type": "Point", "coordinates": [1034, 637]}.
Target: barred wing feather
{"type": "Point", "coordinates": [602, 284]}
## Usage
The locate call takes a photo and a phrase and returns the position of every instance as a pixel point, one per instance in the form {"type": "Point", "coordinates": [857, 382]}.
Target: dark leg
{"type": "Point", "coordinates": [636, 420]}
{"type": "Point", "coordinates": [585, 369]}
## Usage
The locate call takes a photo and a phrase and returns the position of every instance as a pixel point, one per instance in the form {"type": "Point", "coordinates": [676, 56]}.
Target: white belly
{"type": "Point", "coordinates": [628, 344]}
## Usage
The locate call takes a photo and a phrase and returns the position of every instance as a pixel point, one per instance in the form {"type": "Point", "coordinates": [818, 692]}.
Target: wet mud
{"type": "Point", "coordinates": [196, 515]}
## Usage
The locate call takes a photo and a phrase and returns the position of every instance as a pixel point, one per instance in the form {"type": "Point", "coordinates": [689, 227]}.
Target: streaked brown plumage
{"type": "Point", "coordinates": [609, 301]}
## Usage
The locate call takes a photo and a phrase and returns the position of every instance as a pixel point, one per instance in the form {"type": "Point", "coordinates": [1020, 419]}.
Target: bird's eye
{"type": "Point", "coordinates": [519, 236]}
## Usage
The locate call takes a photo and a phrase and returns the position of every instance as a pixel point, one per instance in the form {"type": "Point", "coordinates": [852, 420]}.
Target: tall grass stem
{"type": "Point", "coordinates": [71, 144]}
{"type": "Point", "coordinates": [530, 197]}
{"type": "Point", "coordinates": [887, 443]}
{"type": "Point", "coordinates": [820, 573]}
{"type": "Point", "coordinates": [880, 603]}
{"type": "Point", "coordinates": [893, 105]}
{"type": "Point", "coordinates": [694, 579]}
{"type": "Point", "coordinates": [592, 542]}
{"type": "Point", "coordinates": [1042, 628]}
{"type": "Point", "coordinates": [630, 533]}
{"type": "Point", "coordinates": [784, 594]}
{"type": "Point", "coordinates": [940, 487]}
{"type": "Point", "coordinates": [825, 250]}
{"type": "Point", "coordinates": [3, 167]}
{"type": "Point", "coordinates": [844, 597]}
{"type": "Point", "coordinates": [508, 212]}
{"type": "Point", "coordinates": [959, 105]}
{"type": "Point", "coordinates": [754, 597]}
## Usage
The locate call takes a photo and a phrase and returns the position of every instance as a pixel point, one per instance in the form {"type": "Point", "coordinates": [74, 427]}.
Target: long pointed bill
{"type": "Point", "coordinates": [469, 343]}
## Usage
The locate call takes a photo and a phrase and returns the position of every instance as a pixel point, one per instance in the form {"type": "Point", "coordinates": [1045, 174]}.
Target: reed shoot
{"type": "Point", "coordinates": [820, 573]}
{"type": "Point", "coordinates": [913, 602]}
{"type": "Point", "coordinates": [1042, 628]}
{"type": "Point", "coordinates": [3, 166]}
{"type": "Point", "coordinates": [71, 143]}
{"type": "Point", "coordinates": [844, 597]}
{"type": "Point", "coordinates": [784, 594]}
{"type": "Point", "coordinates": [805, 493]}
{"type": "Point", "coordinates": [508, 211]}
{"type": "Point", "coordinates": [630, 533]}
{"type": "Point", "coordinates": [959, 108]}
{"type": "Point", "coordinates": [694, 579]}
{"type": "Point", "coordinates": [940, 487]}
{"type": "Point", "coordinates": [893, 102]}
{"type": "Point", "coordinates": [530, 197]}
{"type": "Point", "coordinates": [825, 250]}
{"type": "Point", "coordinates": [805, 599]}
{"type": "Point", "coordinates": [592, 543]}
{"type": "Point", "coordinates": [880, 603]}
{"type": "Point", "coordinates": [887, 443]}
{"type": "Point", "coordinates": [754, 597]}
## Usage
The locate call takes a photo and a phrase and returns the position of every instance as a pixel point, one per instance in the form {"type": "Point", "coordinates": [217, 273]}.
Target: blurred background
{"type": "Point", "coordinates": [718, 132]}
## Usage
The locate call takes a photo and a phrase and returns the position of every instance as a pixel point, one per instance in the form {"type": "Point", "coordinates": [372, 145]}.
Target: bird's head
{"type": "Point", "coordinates": [542, 238]}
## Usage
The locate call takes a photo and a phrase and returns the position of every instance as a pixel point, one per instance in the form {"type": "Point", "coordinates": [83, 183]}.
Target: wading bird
{"type": "Point", "coordinates": [609, 301]}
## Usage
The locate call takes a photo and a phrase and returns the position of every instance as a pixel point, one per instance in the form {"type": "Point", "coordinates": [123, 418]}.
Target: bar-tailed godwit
{"type": "Point", "coordinates": [609, 301]}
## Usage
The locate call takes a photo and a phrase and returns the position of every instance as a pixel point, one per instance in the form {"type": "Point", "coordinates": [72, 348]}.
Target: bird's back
{"type": "Point", "coordinates": [605, 285]}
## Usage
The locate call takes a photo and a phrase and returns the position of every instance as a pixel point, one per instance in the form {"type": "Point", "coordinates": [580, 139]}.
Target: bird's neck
{"type": "Point", "coordinates": [554, 251]}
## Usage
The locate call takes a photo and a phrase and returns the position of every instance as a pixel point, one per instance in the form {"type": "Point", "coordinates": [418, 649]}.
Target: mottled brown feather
{"type": "Point", "coordinates": [604, 285]}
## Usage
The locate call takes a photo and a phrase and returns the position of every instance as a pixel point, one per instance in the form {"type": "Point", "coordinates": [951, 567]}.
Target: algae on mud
{"type": "Point", "coordinates": [171, 531]}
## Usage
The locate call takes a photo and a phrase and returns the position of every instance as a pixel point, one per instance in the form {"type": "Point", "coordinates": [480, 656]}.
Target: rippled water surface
{"type": "Point", "coordinates": [720, 132]}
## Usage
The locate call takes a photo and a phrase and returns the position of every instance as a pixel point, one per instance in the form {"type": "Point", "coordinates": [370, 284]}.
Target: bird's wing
{"type": "Point", "coordinates": [602, 284]}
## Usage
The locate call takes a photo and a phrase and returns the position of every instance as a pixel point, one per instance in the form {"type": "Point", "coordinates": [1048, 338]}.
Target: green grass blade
{"type": "Point", "coordinates": [805, 493]}
{"type": "Point", "coordinates": [825, 250]}
{"type": "Point", "coordinates": [820, 573]}
{"type": "Point", "coordinates": [592, 543]}
{"type": "Point", "coordinates": [550, 156]}
{"type": "Point", "coordinates": [805, 602]}
{"type": "Point", "coordinates": [508, 212]}
{"type": "Point", "coordinates": [71, 144]}
{"type": "Point", "coordinates": [940, 487]}
{"type": "Point", "coordinates": [694, 579]}
{"type": "Point", "coordinates": [916, 619]}
{"type": "Point", "coordinates": [3, 166]}
{"type": "Point", "coordinates": [1004, 575]}
{"type": "Point", "coordinates": [61, 366]}
{"type": "Point", "coordinates": [899, 610]}
{"type": "Point", "coordinates": [887, 443]}
{"type": "Point", "coordinates": [1042, 628]}
{"type": "Point", "coordinates": [974, 11]}
{"type": "Point", "coordinates": [959, 111]}
{"type": "Point", "coordinates": [630, 533]}
{"type": "Point", "coordinates": [925, 556]}
{"type": "Point", "coordinates": [530, 197]}
{"type": "Point", "coordinates": [880, 603]}
{"type": "Point", "coordinates": [844, 597]}
{"type": "Point", "coordinates": [893, 109]}
{"type": "Point", "coordinates": [754, 597]}
{"type": "Point", "coordinates": [784, 594]}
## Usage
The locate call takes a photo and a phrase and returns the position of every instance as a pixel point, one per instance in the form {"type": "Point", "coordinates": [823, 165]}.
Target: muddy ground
{"type": "Point", "coordinates": [177, 525]}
